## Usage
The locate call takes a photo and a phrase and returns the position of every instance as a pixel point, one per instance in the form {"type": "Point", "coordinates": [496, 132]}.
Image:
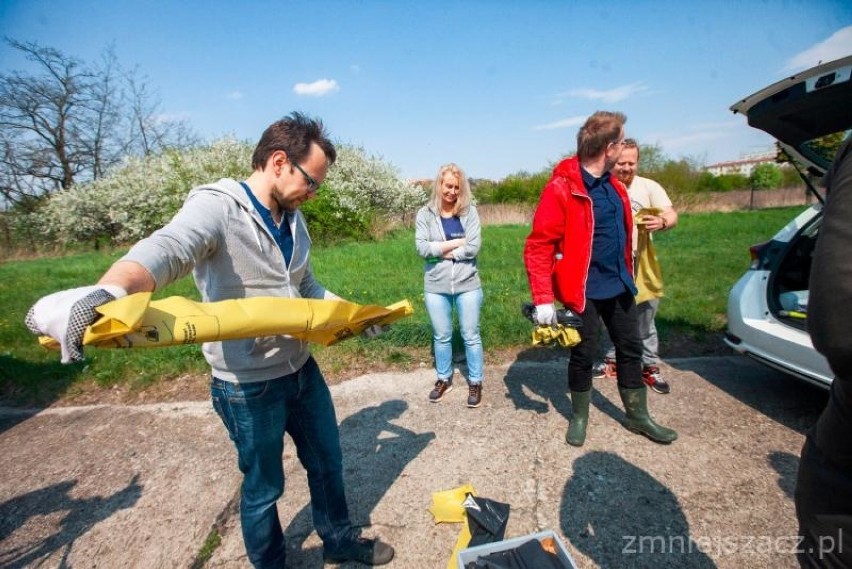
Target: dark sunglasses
{"type": "Point", "coordinates": [313, 185]}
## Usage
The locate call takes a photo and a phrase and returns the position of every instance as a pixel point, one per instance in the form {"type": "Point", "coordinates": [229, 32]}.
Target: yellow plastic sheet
{"type": "Point", "coordinates": [566, 336]}
{"type": "Point", "coordinates": [136, 321]}
{"type": "Point", "coordinates": [649, 275]}
{"type": "Point", "coordinates": [448, 506]}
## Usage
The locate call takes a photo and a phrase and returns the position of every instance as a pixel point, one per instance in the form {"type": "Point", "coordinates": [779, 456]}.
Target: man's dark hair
{"type": "Point", "coordinates": [293, 134]}
{"type": "Point", "coordinates": [599, 130]}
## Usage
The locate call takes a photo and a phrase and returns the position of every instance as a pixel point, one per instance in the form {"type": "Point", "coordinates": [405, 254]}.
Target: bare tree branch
{"type": "Point", "coordinates": [68, 122]}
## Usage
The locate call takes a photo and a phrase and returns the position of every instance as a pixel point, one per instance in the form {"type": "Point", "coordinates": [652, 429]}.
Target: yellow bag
{"type": "Point", "coordinates": [137, 322]}
{"type": "Point", "coordinates": [649, 275]}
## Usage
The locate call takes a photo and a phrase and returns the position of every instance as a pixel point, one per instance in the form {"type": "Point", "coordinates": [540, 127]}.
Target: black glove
{"type": "Point", "coordinates": [564, 316]}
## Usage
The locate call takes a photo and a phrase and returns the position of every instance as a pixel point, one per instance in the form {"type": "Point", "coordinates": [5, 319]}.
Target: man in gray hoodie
{"type": "Point", "coordinates": [240, 240]}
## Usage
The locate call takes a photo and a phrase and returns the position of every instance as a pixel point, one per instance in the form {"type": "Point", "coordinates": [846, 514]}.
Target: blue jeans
{"type": "Point", "coordinates": [257, 415]}
{"type": "Point", "coordinates": [440, 308]}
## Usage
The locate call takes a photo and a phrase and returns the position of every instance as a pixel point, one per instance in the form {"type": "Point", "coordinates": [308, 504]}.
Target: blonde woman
{"type": "Point", "coordinates": [448, 237]}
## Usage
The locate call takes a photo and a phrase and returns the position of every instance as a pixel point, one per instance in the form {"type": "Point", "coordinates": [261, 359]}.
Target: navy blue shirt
{"type": "Point", "coordinates": [608, 274]}
{"type": "Point", "coordinates": [453, 228]}
{"type": "Point", "coordinates": [282, 234]}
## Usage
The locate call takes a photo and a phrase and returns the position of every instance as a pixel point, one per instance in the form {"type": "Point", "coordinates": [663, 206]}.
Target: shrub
{"type": "Point", "coordinates": [142, 194]}
{"type": "Point", "coordinates": [707, 182]}
{"type": "Point", "coordinates": [360, 195]}
{"type": "Point", "coordinates": [766, 177]}
{"type": "Point", "coordinates": [515, 188]}
{"type": "Point", "coordinates": [676, 176]}
{"type": "Point", "coordinates": [790, 176]}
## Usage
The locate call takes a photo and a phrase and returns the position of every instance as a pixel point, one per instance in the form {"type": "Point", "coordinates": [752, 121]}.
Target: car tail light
{"type": "Point", "coordinates": [756, 252]}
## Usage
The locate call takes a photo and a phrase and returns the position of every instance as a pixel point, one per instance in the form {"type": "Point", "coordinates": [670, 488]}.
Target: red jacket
{"type": "Point", "coordinates": [564, 224]}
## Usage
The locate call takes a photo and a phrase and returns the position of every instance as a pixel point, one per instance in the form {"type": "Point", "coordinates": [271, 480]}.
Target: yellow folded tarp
{"type": "Point", "coordinates": [649, 275]}
{"type": "Point", "coordinates": [565, 336]}
{"type": "Point", "coordinates": [136, 321]}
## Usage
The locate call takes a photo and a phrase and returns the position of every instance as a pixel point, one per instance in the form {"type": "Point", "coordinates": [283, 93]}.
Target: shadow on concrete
{"type": "Point", "coordinates": [784, 399]}
{"type": "Point", "coordinates": [375, 452]}
{"type": "Point", "coordinates": [533, 389]}
{"type": "Point", "coordinates": [32, 384]}
{"type": "Point", "coordinates": [78, 517]}
{"type": "Point", "coordinates": [645, 527]}
{"type": "Point", "coordinates": [787, 467]}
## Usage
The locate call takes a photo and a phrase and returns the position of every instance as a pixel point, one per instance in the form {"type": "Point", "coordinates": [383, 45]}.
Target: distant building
{"type": "Point", "coordinates": [743, 166]}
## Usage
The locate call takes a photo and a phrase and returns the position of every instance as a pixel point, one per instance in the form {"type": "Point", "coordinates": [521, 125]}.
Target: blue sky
{"type": "Point", "coordinates": [497, 87]}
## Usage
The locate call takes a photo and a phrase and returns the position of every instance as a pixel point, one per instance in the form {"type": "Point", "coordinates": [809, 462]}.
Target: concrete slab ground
{"type": "Point", "coordinates": [142, 486]}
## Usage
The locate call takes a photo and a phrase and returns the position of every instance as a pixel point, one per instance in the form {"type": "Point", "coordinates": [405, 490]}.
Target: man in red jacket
{"type": "Point", "coordinates": [580, 253]}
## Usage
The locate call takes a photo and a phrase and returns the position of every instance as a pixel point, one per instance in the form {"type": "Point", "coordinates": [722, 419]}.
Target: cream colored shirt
{"type": "Point", "coordinates": [643, 193]}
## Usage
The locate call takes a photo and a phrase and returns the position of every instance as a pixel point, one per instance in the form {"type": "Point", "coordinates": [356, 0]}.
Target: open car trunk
{"type": "Point", "coordinates": [809, 113]}
{"type": "Point", "coordinates": [787, 289]}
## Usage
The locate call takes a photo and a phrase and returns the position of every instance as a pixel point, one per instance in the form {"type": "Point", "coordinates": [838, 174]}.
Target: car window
{"type": "Point", "coordinates": [821, 150]}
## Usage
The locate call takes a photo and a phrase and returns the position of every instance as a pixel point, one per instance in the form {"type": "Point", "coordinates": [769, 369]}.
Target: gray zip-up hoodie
{"type": "Point", "coordinates": [444, 276]}
{"type": "Point", "coordinates": [221, 238]}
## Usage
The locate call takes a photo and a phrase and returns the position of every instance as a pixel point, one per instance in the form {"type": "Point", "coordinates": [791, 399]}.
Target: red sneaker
{"type": "Point", "coordinates": [604, 368]}
{"type": "Point", "coordinates": [654, 379]}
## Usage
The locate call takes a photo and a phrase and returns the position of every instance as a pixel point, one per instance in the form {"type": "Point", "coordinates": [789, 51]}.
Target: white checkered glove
{"type": "Point", "coordinates": [545, 315]}
{"type": "Point", "coordinates": [65, 315]}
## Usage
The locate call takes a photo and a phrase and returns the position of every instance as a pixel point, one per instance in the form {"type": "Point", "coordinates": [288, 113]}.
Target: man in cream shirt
{"type": "Point", "coordinates": [644, 194]}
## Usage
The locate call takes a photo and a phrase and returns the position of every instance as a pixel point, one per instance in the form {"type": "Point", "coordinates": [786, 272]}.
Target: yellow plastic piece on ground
{"type": "Point", "coordinates": [461, 543]}
{"type": "Point", "coordinates": [566, 336]}
{"type": "Point", "coordinates": [448, 506]}
{"type": "Point", "coordinates": [136, 321]}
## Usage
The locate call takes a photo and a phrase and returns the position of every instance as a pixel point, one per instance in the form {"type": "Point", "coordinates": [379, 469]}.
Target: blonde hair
{"type": "Point", "coordinates": [463, 201]}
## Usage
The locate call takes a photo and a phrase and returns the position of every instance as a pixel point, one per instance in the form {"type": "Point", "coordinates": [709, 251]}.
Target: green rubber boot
{"type": "Point", "coordinates": [576, 435]}
{"type": "Point", "coordinates": [638, 420]}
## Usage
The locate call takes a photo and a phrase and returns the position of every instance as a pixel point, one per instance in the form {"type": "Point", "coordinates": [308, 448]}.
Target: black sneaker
{"type": "Point", "coordinates": [654, 379]}
{"type": "Point", "coordinates": [441, 389]}
{"type": "Point", "coordinates": [362, 550]}
{"type": "Point", "coordinates": [474, 395]}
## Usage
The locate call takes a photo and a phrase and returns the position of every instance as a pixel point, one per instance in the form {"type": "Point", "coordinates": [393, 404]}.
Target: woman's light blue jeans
{"type": "Point", "coordinates": [440, 308]}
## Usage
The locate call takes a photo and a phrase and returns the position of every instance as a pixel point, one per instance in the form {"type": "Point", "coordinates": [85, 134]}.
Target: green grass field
{"type": "Point", "coordinates": [701, 260]}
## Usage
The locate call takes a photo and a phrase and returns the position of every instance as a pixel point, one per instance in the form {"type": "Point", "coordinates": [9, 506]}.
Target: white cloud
{"type": "Point", "coordinates": [611, 96]}
{"type": "Point", "coordinates": [835, 47]}
{"type": "Point", "coordinates": [235, 95]}
{"type": "Point", "coordinates": [564, 123]}
{"type": "Point", "coordinates": [317, 88]}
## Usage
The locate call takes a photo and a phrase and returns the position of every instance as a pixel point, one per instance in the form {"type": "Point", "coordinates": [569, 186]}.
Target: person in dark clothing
{"type": "Point", "coordinates": [824, 486]}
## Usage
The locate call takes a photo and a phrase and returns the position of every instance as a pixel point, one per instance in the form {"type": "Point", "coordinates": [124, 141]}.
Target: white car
{"type": "Point", "coordinates": [810, 114]}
